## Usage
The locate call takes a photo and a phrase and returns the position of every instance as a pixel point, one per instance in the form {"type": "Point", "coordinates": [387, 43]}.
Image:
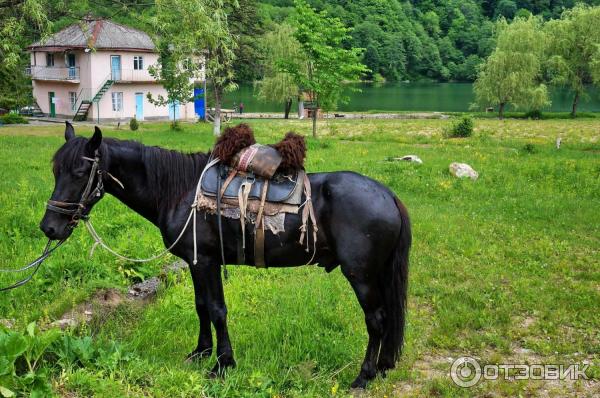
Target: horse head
{"type": "Point", "coordinates": [77, 168]}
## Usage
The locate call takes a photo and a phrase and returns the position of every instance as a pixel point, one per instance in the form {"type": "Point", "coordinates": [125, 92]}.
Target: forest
{"type": "Point", "coordinates": [423, 39]}
{"type": "Point", "coordinates": [402, 40]}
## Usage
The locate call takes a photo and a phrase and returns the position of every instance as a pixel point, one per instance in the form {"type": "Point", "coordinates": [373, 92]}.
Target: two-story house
{"type": "Point", "coordinates": [98, 70]}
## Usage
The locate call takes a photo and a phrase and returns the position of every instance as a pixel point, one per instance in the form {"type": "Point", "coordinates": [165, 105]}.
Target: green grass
{"type": "Point", "coordinates": [508, 262]}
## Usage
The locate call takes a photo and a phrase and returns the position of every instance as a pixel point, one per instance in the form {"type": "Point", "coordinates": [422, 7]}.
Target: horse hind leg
{"type": "Point", "coordinates": [371, 302]}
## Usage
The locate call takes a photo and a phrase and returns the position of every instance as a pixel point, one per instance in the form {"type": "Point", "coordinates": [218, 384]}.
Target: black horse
{"type": "Point", "coordinates": [362, 226]}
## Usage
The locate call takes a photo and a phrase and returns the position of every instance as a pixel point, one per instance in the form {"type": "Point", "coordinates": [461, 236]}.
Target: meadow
{"type": "Point", "coordinates": [505, 269]}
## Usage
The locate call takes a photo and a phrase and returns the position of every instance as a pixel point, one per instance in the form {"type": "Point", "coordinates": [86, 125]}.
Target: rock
{"type": "Point", "coordinates": [412, 158]}
{"type": "Point", "coordinates": [7, 323]}
{"type": "Point", "coordinates": [145, 289]}
{"type": "Point", "coordinates": [462, 170]}
{"type": "Point", "coordinates": [407, 158]}
{"type": "Point", "coordinates": [65, 323]}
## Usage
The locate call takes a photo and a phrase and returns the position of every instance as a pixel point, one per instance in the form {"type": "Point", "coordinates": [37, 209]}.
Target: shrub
{"type": "Point", "coordinates": [462, 128]}
{"type": "Point", "coordinates": [535, 114]}
{"type": "Point", "coordinates": [529, 148]}
{"type": "Point", "coordinates": [13, 118]}
{"type": "Point", "coordinates": [133, 124]}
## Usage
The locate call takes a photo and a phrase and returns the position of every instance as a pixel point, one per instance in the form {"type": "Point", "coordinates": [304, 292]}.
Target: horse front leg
{"type": "Point", "coordinates": [209, 273]}
{"type": "Point", "coordinates": [205, 344]}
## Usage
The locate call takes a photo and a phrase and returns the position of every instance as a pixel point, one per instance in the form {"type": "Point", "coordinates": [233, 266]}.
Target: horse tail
{"type": "Point", "coordinates": [394, 282]}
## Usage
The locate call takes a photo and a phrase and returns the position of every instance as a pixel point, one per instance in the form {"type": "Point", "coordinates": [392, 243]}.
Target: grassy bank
{"type": "Point", "coordinates": [505, 269]}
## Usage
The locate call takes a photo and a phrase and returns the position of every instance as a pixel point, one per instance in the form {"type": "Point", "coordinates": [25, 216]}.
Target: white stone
{"type": "Point", "coordinates": [412, 158]}
{"type": "Point", "coordinates": [7, 323]}
{"type": "Point", "coordinates": [462, 170]}
{"type": "Point", "coordinates": [65, 323]}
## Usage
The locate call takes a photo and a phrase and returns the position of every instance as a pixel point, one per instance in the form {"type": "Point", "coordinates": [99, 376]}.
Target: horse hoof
{"type": "Point", "coordinates": [220, 368]}
{"type": "Point", "coordinates": [359, 383]}
{"type": "Point", "coordinates": [196, 356]}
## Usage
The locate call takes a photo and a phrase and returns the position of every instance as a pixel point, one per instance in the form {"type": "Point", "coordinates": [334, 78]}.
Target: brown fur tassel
{"type": "Point", "coordinates": [233, 140]}
{"type": "Point", "coordinates": [293, 151]}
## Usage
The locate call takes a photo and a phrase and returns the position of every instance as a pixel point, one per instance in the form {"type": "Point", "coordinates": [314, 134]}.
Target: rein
{"type": "Point", "coordinates": [35, 263]}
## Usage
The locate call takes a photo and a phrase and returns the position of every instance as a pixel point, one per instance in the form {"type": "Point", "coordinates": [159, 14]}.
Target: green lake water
{"type": "Point", "coordinates": [442, 97]}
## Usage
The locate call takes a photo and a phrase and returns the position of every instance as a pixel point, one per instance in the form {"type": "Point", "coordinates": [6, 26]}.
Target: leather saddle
{"type": "Point", "coordinates": [281, 188]}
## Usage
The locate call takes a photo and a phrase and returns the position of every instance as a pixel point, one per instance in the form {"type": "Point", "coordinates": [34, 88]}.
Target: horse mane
{"type": "Point", "coordinates": [170, 174]}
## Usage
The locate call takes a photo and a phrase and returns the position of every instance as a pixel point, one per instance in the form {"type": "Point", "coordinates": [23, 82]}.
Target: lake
{"type": "Point", "coordinates": [442, 97]}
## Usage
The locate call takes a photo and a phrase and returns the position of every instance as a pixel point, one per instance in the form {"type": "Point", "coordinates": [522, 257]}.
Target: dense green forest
{"type": "Point", "coordinates": [423, 39]}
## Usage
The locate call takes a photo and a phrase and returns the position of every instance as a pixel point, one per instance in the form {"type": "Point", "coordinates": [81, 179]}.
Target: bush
{"type": "Point", "coordinates": [13, 118]}
{"type": "Point", "coordinates": [462, 128]}
{"type": "Point", "coordinates": [529, 148]}
{"type": "Point", "coordinates": [534, 114]}
{"type": "Point", "coordinates": [133, 124]}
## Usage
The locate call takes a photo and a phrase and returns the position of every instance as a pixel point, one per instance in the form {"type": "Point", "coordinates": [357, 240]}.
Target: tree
{"type": "Point", "coordinates": [279, 47]}
{"type": "Point", "coordinates": [245, 24]}
{"type": "Point", "coordinates": [191, 33]}
{"type": "Point", "coordinates": [329, 64]}
{"type": "Point", "coordinates": [21, 22]}
{"type": "Point", "coordinates": [512, 73]}
{"type": "Point", "coordinates": [574, 50]}
{"type": "Point", "coordinates": [506, 9]}
{"type": "Point", "coordinates": [176, 76]}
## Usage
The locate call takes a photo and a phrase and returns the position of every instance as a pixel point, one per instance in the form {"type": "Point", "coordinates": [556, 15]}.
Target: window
{"type": "Point", "coordinates": [72, 99]}
{"type": "Point", "coordinates": [117, 102]}
{"type": "Point", "coordinates": [138, 63]}
{"type": "Point", "coordinates": [49, 59]}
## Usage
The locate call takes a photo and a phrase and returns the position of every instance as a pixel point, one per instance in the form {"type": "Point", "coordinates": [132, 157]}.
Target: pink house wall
{"type": "Point", "coordinates": [94, 69]}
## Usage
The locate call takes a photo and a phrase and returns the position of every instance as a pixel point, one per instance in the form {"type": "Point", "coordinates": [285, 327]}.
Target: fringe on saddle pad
{"type": "Point", "coordinates": [234, 139]}
{"type": "Point", "coordinates": [274, 214]}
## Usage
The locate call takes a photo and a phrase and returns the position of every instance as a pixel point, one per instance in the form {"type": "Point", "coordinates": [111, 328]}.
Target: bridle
{"type": "Point", "coordinates": [78, 211]}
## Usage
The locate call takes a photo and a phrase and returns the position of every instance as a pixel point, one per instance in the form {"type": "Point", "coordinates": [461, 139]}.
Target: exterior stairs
{"type": "Point", "coordinates": [36, 111]}
{"type": "Point", "coordinates": [85, 105]}
{"type": "Point", "coordinates": [82, 111]}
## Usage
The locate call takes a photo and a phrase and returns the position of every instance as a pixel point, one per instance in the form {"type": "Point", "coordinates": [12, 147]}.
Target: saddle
{"type": "Point", "coordinates": [259, 181]}
{"type": "Point", "coordinates": [281, 188]}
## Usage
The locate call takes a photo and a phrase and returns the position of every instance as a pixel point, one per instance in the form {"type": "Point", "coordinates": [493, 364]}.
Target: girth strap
{"type": "Point", "coordinates": [259, 234]}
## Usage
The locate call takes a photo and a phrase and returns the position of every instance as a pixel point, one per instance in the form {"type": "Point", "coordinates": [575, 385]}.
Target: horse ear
{"type": "Point", "coordinates": [94, 143]}
{"type": "Point", "coordinates": [69, 131]}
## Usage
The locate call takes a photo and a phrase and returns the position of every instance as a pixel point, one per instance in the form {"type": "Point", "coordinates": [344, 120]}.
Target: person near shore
{"type": "Point", "coordinates": [241, 107]}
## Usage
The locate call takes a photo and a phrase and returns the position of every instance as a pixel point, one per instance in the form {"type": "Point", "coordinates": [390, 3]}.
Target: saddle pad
{"type": "Point", "coordinates": [280, 190]}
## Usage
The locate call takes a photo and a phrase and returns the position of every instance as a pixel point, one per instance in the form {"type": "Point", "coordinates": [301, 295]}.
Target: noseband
{"type": "Point", "coordinates": [77, 210]}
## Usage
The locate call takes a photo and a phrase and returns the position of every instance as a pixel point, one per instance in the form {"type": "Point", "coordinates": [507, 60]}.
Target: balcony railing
{"type": "Point", "coordinates": [54, 73]}
{"type": "Point", "coordinates": [131, 75]}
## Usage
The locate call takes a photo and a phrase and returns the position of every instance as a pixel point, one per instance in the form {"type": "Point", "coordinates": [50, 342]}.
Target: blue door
{"type": "Point", "coordinates": [115, 67]}
{"type": "Point", "coordinates": [174, 110]}
{"type": "Point", "coordinates": [139, 106]}
{"type": "Point", "coordinates": [71, 65]}
{"type": "Point", "coordinates": [199, 104]}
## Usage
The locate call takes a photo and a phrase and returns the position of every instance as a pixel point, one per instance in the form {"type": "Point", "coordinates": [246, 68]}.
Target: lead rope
{"type": "Point", "coordinates": [192, 216]}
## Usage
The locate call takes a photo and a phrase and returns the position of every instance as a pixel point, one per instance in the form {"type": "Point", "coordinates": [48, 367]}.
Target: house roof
{"type": "Point", "coordinates": [99, 34]}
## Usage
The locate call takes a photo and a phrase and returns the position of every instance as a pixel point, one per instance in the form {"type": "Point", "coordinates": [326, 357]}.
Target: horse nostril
{"type": "Point", "coordinates": [49, 231]}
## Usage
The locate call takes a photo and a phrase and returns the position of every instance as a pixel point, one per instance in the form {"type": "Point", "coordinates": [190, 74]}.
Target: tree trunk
{"type": "Point", "coordinates": [575, 103]}
{"type": "Point", "coordinates": [300, 108]}
{"type": "Point", "coordinates": [501, 110]}
{"type": "Point", "coordinates": [314, 120]}
{"type": "Point", "coordinates": [288, 108]}
{"type": "Point", "coordinates": [217, 120]}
